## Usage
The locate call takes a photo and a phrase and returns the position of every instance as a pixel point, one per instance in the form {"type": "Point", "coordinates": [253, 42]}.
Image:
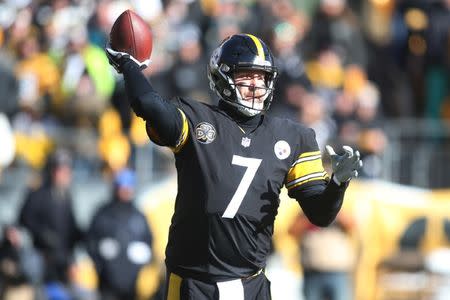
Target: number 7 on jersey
{"type": "Point", "coordinates": [252, 165]}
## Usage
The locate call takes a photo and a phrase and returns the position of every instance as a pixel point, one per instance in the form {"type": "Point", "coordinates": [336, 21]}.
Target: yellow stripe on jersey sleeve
{"type": "Point", "coordinates": [308, 167]}
{"type": "Point", "coordinates": [311, 177]}
{"type": "Point", "coordinates": [184, 134]}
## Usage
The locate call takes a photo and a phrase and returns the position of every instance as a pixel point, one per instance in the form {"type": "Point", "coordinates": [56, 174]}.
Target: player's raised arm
{"type": "Point", "coordinates": [164, 120]}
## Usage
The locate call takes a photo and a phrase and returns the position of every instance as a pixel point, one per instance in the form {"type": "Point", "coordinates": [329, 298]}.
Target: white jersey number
{"type": "Point", "coordinates": [252, 165]}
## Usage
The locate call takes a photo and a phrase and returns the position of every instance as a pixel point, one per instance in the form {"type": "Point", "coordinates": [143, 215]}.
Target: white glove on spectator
{"type": "Point", "coordinates": [345, 166]}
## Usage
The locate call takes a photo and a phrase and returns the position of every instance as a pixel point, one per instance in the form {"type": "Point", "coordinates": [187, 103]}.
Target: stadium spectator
{"type": "Point", "coordinates": [48, 216]}
{"type": "Point", "coordinates": [328, 257]}
{"type": "Point", "coordinates": [335, 25]}
{"type": "Point", "coordinates": [437, 67]}
{"type": "Point", "coordinates": [119, 241]}
{"type": "Point", "coordinates": [8, 144]}
{"type": "Point", "coordinates": [326, 72]}
{"type": "Point", "coordinates": [218, 247]}
{"type": "Point", "coordinates": [189, 77]}
{"type": "Point", "coordinates": [286, 41]}
{"type": "Point", "coordinates": [20, 266]}
{"type": "Point", "coordinates": [38, 75]}
{"type": "Point", "coordinates": [87, 82]}
{"type": "Point", "coordinates": [372, 140]}
{"type": "Point", "coordinates": [9, 103]}
{"type": "Point", "coordinates": [313, 113]}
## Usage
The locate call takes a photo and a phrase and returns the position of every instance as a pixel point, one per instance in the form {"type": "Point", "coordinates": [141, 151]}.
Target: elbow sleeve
{"type": "Point", "coordinates": [321, 203]}
{"type": "Point", "coordinates": [163, 117]}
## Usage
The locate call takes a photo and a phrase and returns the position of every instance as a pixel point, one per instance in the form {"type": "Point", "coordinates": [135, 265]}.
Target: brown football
{"type": "Point", "coordinates": [131, 34]}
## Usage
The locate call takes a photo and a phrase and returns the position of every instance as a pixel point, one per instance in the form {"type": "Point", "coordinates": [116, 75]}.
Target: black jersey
{"type": "Point", "coordinates": [229, 183]}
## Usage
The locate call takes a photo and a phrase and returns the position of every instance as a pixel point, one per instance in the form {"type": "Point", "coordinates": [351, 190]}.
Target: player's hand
{"type": "Point", "coordinates": [117, 59]}
{"type": "Point", "coordinates": [346, 166]}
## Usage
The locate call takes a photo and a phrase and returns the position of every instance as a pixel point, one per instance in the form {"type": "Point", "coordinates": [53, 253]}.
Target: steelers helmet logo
{"type": "Point", "coordinates": [282, 149]}
{"type": "Point", "coordinates": [205, 133]}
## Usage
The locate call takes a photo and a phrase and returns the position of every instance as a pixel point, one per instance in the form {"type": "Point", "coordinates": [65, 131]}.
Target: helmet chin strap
{"type": "Point", "coordinates": [245, 109]}
{"type": "Point", "coordinates": [249, 112]}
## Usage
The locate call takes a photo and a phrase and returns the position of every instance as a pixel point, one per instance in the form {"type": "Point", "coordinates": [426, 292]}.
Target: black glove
{"type": "Point", "coordinates": [117, 59]}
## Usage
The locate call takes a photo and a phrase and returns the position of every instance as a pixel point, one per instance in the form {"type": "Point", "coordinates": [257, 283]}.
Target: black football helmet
{"type": "Point", "coordinates": [241, 52]}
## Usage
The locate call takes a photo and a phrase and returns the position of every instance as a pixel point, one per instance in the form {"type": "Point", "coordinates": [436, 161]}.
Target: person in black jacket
{"type": "Point", "coordinates": [119, 241]}
{"type": "Point", "coordinates": [48, 215]}
{"type": "Point", "coordinates": [232, 161]}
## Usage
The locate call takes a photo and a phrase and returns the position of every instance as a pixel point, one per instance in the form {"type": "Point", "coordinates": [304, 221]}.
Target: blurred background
{"type": "Point", "coordinates": [372, 74]}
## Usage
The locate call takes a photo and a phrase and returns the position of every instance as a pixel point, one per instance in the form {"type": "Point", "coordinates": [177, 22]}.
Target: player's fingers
{"type": "Point", "coordinates": [146, 62]}
{"type": "Point", "coordinates": [330, 150]}
{"type": "Point", "coordinates": [353, 159]}
{"type": "Point", "coordinates": [355, 174]}
{"type": "Point", "coordinates": [116, 54]}
{"type": "Point", "coordinates": [348, 150]}
{"type": "Point", "coordinates": [358, 161]}
{"type": "Point", "coordinates": [110, 50]}
{"type": "Point", "coordinates": [357, 165]}
{"type": "Point", "coordinates": [360, 164]}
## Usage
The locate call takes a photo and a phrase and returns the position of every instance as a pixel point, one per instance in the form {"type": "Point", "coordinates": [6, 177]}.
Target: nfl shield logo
{"type": "Point", "coordinates": [245, 142]}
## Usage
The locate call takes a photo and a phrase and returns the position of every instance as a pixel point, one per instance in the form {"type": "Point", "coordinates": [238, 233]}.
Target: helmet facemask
{"type": "Point", "coordinates": [257, 96]}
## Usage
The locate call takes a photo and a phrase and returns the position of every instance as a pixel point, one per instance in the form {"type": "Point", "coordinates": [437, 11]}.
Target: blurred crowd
{"type": "Point", "coordinates": [38, 252]}
{"type": "Point", "coordinates": [345, 66]}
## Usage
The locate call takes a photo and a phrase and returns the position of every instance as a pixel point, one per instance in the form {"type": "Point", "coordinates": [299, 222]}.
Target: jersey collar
{"type": "Point", "coordinates": [246, 123]}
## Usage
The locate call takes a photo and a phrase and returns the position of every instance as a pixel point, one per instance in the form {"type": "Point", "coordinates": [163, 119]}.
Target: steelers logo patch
{"type": "Point", "coordinates": [282, 149]}
{"type": "Point", "coordinates": [205, 133]}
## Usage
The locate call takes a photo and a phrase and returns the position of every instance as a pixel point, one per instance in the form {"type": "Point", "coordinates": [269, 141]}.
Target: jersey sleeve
{"type": "Point", "coordinates": [181, 140]}
{"type": "Point", "coordinates": [166, 124]}
{"type": "Point", "coordinates": [307, 168]}
{"type": "Point", "coordinates": [191, 111]}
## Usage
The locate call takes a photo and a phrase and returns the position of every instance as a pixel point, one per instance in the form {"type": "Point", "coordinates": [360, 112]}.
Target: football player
{"type": "Point", "coordinates": [232, 161]}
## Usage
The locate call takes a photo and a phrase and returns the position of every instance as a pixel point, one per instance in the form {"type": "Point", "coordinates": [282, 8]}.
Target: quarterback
{"type": "Point", "coordinates": [232, 160]}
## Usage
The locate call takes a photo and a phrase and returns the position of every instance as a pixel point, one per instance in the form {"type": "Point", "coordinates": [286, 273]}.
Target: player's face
{"type": "Point", "coordinates": [62, 176]}
{"type": "Point", "coordinates": [252, 87]}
